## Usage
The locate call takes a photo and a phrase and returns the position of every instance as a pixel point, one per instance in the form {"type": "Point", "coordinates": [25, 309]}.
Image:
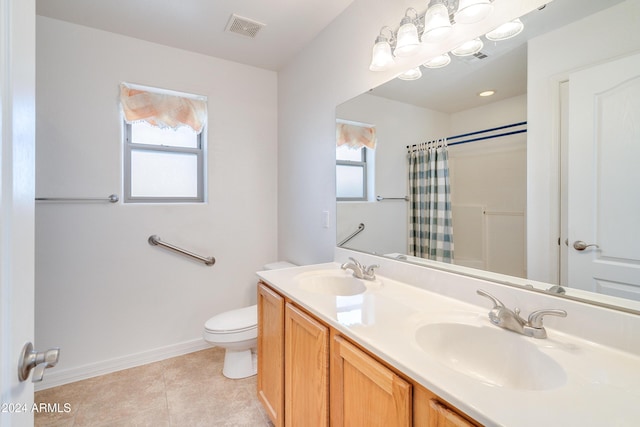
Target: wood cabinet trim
{"type": "Point", "coordinates": [377, 372]}
{"type": "Point", "coordinates": [306, 369]}
{"type": "Point", "coordinates": [431, 411]}
{"type": "Point", "coordinates": [271, 359]}
{"type": "Point", "coordinates": [394, 387]}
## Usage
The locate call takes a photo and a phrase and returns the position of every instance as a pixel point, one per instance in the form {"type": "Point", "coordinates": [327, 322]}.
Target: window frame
{"type": "Point", "coordinates": [129, 146]}
{"type": "Point", "coordinates": [364, 167]}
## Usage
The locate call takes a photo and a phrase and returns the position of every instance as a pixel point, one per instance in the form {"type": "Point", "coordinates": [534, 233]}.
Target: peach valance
{"type": "Point", "coordinates": [355, 136]}
{"type": "Point", "coordinates": [162, 109]}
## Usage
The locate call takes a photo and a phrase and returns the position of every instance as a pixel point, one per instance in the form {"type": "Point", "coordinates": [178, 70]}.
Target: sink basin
{"type": "Point", "coordinates": [330, 282]}
{"type": "Point", "coordinates": [492, 355]}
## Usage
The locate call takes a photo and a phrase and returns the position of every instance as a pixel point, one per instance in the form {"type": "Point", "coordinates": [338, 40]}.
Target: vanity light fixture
{"type": "Point", "coordinates": [438, 62]}
{"type": "Point", "coordinates": [468, 48]}
{"type": "Point", "coordinates": [416, 28]}
{"type": "Point", "coordinates": [437, 24]}
{"type": "Point", "coordinates": [407, 39]}
{"type": "Point", "coordinates": [506, 30]}
{"type": "Point", "coordinates": [381, 57]}
{"type": "Point", "coordinates": [411, 74]}
{"type": "Point", "coordinates": [472, 11]}
{"type": "Point", "coordinates": [434, 26]}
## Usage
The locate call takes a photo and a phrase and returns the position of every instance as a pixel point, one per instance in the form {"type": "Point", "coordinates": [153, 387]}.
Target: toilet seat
{"type": "Point", "coordinates": [234, 325]}
{"type": "Point", "coordinates": [237, 332]}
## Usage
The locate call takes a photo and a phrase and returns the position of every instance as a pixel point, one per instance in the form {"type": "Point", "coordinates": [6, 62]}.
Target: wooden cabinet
{"type": "Point", "coordinates": [271, 353]}
{"type": "Point", "coordinates": [293, 363]}
{"type": "Point", "coordinates": [306, 373]}
{"type": "Point", "coordinates": [310, 375]}
{"type": "Point", "coordinates": [364, 392]}
{"type": "Point", "coordinates": [430, 411]}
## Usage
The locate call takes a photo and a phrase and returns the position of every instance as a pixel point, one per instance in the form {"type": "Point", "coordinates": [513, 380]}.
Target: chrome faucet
{"type": "Point", "coordinates": [510, 319]}
{"type": "Point", "coordinates": [360, 271]}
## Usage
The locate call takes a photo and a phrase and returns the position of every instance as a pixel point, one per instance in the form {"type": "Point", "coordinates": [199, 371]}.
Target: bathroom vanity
{"type": "Point", "coordinates": [322, 369]}
{"type": "Point", "coordinates": [410, 350]}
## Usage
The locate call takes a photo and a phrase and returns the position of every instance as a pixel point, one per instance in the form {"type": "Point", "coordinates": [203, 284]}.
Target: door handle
{"type": "Point", "coordinates": [39, 361]}
{"type": "Point", "coordinates": [579, 245]}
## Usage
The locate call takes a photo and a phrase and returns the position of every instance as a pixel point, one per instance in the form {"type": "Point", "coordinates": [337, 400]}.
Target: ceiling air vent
{"type": "Point", "coordinates": [473, 58]}
{"type": "Point", "coordinates": [243, 26]}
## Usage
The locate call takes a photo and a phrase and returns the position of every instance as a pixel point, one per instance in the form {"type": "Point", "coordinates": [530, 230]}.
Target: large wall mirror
{"type": "Point", "coordinates": [495, 177]}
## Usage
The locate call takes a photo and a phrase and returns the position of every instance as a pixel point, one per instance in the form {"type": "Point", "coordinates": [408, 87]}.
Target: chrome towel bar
{"type": "Point", "coordinates": [113, 198]}
{"type": "Point", "coordinates": [155, 241]}
{"type": "Point", "coordinates": [380, 198]}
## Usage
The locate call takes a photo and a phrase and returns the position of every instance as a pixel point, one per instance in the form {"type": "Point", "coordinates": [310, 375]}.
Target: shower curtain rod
{"type": "Point", "coordinates": [481, 138]}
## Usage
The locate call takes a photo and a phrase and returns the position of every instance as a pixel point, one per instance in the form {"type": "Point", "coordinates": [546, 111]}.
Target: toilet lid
{"type": "Point", "coordinates": [238, 320]}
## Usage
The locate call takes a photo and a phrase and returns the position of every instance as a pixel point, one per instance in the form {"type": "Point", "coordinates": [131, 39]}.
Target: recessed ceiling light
{"type": "Point", "coordinates": [487, 93]}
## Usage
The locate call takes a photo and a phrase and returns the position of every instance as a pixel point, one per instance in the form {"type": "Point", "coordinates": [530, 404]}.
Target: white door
{"type": "Point", "coordinates": [17, 184]}
{"type": "Point", "coordinates": [604, 178]}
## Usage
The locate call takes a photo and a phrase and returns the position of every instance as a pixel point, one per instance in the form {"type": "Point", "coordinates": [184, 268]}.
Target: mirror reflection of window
{"type": "Point", "coordinates": [351, 173]}
{"type": "Point", "coordinates": [354, 150]}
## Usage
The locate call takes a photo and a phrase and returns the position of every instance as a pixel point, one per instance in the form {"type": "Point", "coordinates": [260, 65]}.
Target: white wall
{"type": "Point", "coordinates": [103, 294]}
{"type": "Point", "coordinates": [598, 38]}
{"type": "Point", "coordinates": [397, 126]}
{"type": "Point", "coordinates": [488, 189]}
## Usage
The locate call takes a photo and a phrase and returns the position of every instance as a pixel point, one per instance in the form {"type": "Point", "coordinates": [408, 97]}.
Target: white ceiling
{"type": "Point", "coordinates": [199, 25]}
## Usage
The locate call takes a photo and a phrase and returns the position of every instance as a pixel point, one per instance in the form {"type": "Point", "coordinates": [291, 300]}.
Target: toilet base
{"type": "Point", "coordinates": [239, 364]}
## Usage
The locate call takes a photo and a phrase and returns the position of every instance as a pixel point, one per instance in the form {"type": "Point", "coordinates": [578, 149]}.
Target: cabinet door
{"type": "Point", "coordinates": [429, 411]}
{"type": "Point", "coordinates": [364, 392]}
{"type": "Point", "coordinates": [306, 370]}
{"type": "Point", "coordinates": [270, 353]}
{"type": "Point", "coordinates": [442, 416]}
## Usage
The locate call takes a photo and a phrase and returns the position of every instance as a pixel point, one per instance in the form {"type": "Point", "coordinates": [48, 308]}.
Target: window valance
{"type": "Point", "coordinates": [355, 136]}
{"type": "Point", "coordinates": [162, 109]}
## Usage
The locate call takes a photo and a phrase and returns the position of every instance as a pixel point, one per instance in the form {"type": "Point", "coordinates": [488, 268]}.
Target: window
{"type": "Point", "coordinates": [351, 173]}
{"type": "Point", "coordinates": [355, 145]}
{"type": "Point", "coordinates": [164, 146]}
{"type": "Point", "coordinates": [163, 165]}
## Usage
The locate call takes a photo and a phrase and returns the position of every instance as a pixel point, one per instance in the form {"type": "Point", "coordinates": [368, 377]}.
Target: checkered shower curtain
{"type": "Point", "coordinates": [430, 224]}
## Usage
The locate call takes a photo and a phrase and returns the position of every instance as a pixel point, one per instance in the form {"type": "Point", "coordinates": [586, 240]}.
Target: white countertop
{"type": "Point", "coordinates": [601, 388]}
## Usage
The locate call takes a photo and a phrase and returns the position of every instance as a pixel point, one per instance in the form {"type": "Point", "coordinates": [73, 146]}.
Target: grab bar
{"type": "Point", "coordinates": [113, 198]}
{"type": "Point", "coordinates": [352, 235]}
{"type": "Point", "coordinates": [380, 198]}
{"type": "Point", "coordinates": [155, 241]}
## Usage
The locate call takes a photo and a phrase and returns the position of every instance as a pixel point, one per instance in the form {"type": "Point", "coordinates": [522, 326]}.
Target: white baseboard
{"type": "Point", "coordinates": [54, 378]}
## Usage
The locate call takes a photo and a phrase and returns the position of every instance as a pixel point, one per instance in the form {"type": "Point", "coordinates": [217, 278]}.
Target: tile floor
{"type": "Point", "coordinates": [183, 391]}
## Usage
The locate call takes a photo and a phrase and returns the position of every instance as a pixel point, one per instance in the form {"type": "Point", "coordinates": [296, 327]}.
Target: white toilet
{"type": "Point", "coordinates": [237, 332]}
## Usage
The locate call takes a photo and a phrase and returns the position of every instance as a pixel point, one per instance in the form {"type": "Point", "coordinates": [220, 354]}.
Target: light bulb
{"type": "Point", "coordinates": [437, 25]}
{"type": "Point", "coordinates": [506, 30]}
{"type": "Point", "coordinates": [468, 48]}
{"type": "Point", "coordinates": [411, 74]}
{"type": "Point", "coordinates": [470, 11]}
{"type": "Point", "coordinates": [407, 38]}
{"type": "Point", "coordinates": [438, 62]}
{"type": "Point", "coordinates": [381, 57]}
